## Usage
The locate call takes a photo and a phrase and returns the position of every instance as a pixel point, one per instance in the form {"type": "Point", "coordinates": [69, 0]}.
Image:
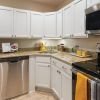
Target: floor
{"type": "Point", "coordinates": [36, 96]}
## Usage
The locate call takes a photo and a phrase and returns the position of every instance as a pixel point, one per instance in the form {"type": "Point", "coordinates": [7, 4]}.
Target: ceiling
{"type": "Point", "coordinates": [50, 2]}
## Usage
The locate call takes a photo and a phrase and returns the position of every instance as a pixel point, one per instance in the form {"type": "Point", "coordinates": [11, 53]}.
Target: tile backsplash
{"type": "Point", "coordinates": [87, 43]}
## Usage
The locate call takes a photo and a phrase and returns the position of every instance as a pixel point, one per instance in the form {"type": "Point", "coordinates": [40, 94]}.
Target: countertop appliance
{"type": "Point", "coordinates": [6, 47]}
{"type": "Point", "coordinates": [93, 20]}
{"type": "Point", "coordinates": [14, 77]}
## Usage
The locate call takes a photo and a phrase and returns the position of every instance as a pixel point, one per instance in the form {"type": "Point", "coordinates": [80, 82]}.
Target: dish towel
{"type": "Point", "coordinates": [93, 90]}
{"type": "Point", "coordinates": [81, 87]}
{"type": "Point", "coordinates": [98, 91]}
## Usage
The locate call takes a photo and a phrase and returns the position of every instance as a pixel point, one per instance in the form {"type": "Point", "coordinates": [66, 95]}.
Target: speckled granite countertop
{"type": "Point", "coordinates": [65, 57]}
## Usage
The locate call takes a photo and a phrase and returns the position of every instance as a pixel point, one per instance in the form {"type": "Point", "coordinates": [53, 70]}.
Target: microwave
{"type": "Point", "coordinates": [93, 20]}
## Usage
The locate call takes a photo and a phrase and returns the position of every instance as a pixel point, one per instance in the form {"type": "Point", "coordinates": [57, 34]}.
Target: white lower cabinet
{"type": "Point", "coordinates": [32, 73]}
{"type": "Point", "coordinates": [56, 80]}
{"type": "Point", "coordinates": [61, 79]}
{"type": "Point", "coordinates": [43, 75]}
{"type": "Point", "coordinates": [53, 74]}
{"type": "Point", "coordinates": [66, 87]}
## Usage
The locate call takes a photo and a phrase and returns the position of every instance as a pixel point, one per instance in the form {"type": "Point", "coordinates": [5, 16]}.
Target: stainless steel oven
{"type": "Point", "coordinates": [91, 78]}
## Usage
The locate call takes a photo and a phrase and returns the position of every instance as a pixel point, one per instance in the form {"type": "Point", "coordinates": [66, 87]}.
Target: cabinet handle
{"type": "Point", "coordinates": [48, 65]}
{"type": "Point", "coordinates": [58, 72]}
{"type": "Point", "coordinates": [64, 68]}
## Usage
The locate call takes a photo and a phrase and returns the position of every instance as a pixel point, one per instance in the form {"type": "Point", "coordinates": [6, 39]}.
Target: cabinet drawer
{"type": "Point", "coordinates": [42, 59]}
{"type": "Point", "coordinates": [63, 66]}
{"type": "Point", "coordinates": [66, 68]}
{"type": "Point", "coordinates": [56, 62]}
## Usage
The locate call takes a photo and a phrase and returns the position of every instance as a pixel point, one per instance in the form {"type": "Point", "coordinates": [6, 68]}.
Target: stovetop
{"type": "Point", "coordinates": [90, 67]}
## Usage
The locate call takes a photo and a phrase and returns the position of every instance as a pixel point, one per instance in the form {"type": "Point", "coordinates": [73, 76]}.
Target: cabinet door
{"type": "Point", "coordinates": [56, 80]}
{"type": "Point", "coordinates": [37, 24]}
{"type": "Point", "coordinates": [89, 3]}
{"type": "Point", "coordinates": [6, 21]}
{"type": "Point", "coordinates": [21, 23]}
{"type": "Point", "coordinates": [66, 87]}
{"type": "Point", "coordinates": [43, 75]}
{"type": "Point", "coordinates": [79, 18]}
{"type": "Point", "coordinates": [92, 2]}
{"type": "Point", "coordinates": [32, 67]}
{"type": "Point", "coordinates": [95, 2]}
{"type": "Point", "coordinates": [59, 23]}
{"type": "Point", "coordinates": [68, 21]}
{"type": "Point", "coordinates": [50, 25]}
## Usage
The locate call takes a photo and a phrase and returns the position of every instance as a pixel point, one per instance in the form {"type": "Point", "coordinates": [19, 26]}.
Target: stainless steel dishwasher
{"type": "Point", "coordinates": [18, 76]}
{"type": "Point", "coordinates": [3, 78]}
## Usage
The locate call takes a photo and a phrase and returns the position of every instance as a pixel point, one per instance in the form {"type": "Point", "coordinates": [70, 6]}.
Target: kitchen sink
{"type": "Point", "coordinates": [51, 52]}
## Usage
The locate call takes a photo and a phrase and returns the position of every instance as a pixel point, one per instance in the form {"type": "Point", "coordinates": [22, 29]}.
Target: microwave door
{"type": "Point", "coordinates": [93, 20]}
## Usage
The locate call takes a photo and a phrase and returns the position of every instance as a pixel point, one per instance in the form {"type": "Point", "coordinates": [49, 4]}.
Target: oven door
{"type": "Point", "coordinates": [74, 79]}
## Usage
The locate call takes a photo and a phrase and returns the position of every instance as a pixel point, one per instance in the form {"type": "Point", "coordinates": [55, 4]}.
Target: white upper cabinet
{"type": "Point", "coordinates": [50, 24]}
{"type": "Point", "coordinates": [68, 21]}
{"type": "Point", "coordinates": [92, 2]}
{"type": "Point", "coordinates": [59, 23]}
{"type": "Point", "coordinates": [79, 18]}
{"type": "Point", "coordinates": [37, 24]}
{"type": "Point", "coordinates": [21, 23]}
{"type": "Point", "coordinates": [6, 21]}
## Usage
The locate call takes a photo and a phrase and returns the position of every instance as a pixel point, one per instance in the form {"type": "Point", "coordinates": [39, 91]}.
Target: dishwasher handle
{"type": "Point", "coordinates": [17, 59]}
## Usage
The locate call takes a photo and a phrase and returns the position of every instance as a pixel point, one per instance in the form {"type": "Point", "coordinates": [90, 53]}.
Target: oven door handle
{"type": "Point", "coordinates": [74, 70]}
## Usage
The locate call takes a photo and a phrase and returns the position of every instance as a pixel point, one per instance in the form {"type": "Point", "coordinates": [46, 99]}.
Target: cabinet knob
{"type": "Point", "coordinates": [54, 63]}
{"type": "Point", "coordinates": [63, 67]}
